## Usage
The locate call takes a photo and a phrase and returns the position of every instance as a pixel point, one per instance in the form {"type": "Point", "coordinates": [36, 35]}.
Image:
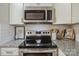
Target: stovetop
{"type": "Point", "coordinates": [37, 45]}
{"type": "Point", "coordinates": [38, 39]}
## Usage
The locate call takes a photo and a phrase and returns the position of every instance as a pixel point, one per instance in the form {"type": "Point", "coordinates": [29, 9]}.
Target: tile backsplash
{"type": "Point", "coordinates": [6, 33]}
{"type": "Point", "coordinates": [38, 27]}
{"type": "Point", "coordinates": [44, 26]}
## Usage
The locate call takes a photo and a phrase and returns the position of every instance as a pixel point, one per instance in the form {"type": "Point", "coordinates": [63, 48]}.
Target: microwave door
{"type": "Point", "coordinates": [34, 15]}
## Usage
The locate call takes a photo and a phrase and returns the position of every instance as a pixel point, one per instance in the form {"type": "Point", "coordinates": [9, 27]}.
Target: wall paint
{"type": "Point", "coordinates": [4, 13]}
{"type": "Point", "coordinates": [0, 31]}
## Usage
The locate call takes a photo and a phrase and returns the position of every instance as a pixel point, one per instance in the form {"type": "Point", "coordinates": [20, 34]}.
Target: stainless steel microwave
{"type": "Point", "coordinates": [38, 14]}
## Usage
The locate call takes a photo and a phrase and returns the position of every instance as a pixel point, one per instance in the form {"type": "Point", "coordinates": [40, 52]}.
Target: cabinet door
{"type": "Point", "coordinates": [75, 12]}
{"type": "Point", "coordinates": [38, 4]}
{"type": "Point", "coordinates": [63, 13]}
{"type": "Point", "coordinates": [9, 51]}
{"type": "Point", "coordinates": [16, 13]}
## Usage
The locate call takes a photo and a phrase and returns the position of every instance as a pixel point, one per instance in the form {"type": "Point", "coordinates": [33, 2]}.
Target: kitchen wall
{"type": "Point", "coordinates": [4, 13]}
{"type": "Point", "coordinates": [0, 32]}
{"type": "Point", "coordinates": [6, 31]}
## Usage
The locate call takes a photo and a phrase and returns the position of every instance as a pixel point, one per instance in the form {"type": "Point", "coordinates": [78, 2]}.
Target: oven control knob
{"type": "Point", "coordinates": [43, 32]}
{"type": "Point", "coordinates": [48, 32]}
{"type": "Point", "coordinates": [28, 32]}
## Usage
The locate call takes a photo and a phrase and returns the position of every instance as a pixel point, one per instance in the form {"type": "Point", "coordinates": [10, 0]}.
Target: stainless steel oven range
{"type": "Point", "coordinates": [38, 43]}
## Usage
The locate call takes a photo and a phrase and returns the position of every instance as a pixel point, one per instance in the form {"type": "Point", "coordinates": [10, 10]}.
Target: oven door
{"type": "Point", "coordinates": [38, 52]}
{"type": "Point", "coordinates": [34, 15]}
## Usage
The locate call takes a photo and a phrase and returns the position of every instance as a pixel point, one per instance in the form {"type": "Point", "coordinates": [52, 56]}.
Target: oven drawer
{"type": "Point", "coordinates": [9, 51]}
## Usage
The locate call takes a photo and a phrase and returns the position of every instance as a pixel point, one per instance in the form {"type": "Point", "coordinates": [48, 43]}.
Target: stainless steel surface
{"type": "Point", "coordinates": [34, 33]}
{"type": "Point", "coordinates": [42, 17]}
{"type": "Point", "coordinates": [38, 42]}
{"type": "Point", "coordinates": [37, 50]}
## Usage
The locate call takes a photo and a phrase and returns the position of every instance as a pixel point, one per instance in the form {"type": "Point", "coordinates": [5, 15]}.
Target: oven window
{"type": "Point", "coordinates": [34, 14]}
{"type": "Point", "coordinates": [37, 54]}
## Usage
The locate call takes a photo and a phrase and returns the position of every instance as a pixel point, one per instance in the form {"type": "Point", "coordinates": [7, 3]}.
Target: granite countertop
{"type": "Point", "coordinates": [12, 43]}
{"type": "Point", "coordinates": [68, 47]}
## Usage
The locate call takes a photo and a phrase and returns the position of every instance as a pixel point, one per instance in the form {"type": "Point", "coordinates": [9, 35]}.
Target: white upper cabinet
{"type": "Point", "coordinates": [75, 13]}
{"type": "Point", "coordinates": [16, 13]}
{"type": "Point", "coordinates": [38, 4]}
{"type": "Point", "coordinates": [62, 13]}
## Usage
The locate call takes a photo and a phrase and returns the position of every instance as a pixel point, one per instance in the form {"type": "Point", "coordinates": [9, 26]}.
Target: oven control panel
{"type": "Point", "coordinates": [38, 33]}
